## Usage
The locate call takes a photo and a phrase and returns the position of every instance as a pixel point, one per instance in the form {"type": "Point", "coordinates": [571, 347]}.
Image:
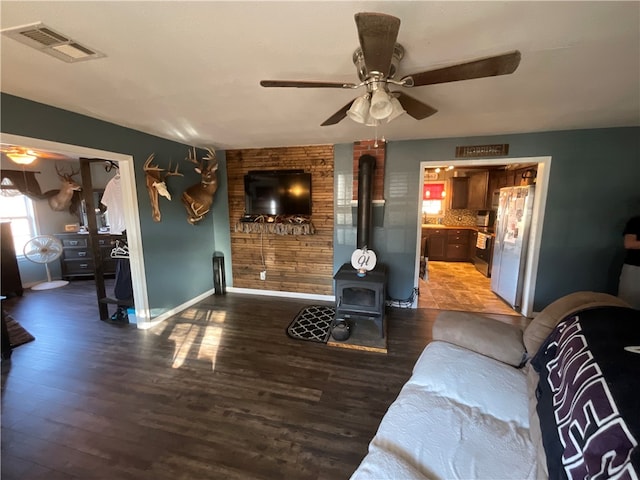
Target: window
{"type": "Point", "coordinates": [432, 207]}
{"type": "Point", "coordinates": [18, 209]}
{"type": "Point", "coordinates": [433, 198]}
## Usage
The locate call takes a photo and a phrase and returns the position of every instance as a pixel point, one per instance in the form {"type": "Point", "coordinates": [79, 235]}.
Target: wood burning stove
{"type": "Point", "coordinates": [361, 294]}
{"type": "Point", "coordinates": [361, 297]}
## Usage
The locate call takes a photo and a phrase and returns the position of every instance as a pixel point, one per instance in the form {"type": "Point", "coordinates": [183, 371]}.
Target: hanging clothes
{"type": "Point", "coordinates": [123, 287]}
{"type": "Point", "coordinates": [112, 199]}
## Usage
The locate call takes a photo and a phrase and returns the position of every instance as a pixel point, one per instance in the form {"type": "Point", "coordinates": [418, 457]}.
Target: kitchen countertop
{"type": "Point", "coordinates": [458, 227]}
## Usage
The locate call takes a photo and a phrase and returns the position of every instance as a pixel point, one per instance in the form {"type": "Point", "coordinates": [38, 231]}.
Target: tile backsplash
{"type": "Point", "coordinates": [460, 218]}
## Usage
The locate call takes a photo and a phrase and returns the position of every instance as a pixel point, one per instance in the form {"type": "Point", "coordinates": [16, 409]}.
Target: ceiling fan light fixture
{"type": "Point", "coordinates": [359, 111]}
{"type": "Point", "coordinates": [396, 109]}
{"type": "Point", "coordinates": [381, 106]}
{"type": "Point", "coordinates": [21, 158]}
{"type": "Point", "coordinates": [371, 122]}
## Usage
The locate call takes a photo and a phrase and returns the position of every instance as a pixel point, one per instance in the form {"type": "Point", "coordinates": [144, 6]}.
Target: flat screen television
{"type": "Point", "coordinates": [277, 192]}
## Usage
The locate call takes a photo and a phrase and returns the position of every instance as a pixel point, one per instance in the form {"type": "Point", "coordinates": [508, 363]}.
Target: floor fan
{"type": "Point", "coordinates": [44, 249]}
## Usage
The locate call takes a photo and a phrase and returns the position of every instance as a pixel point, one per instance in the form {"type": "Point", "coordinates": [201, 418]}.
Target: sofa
{"type": "Point", "coordinates": [489, 400]}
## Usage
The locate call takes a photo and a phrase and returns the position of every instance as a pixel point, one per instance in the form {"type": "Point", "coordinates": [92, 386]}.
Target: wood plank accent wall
{"type": "Point", "coordinates": [294, 263]}
{"type": "Point", "coordinates": [379, 152]}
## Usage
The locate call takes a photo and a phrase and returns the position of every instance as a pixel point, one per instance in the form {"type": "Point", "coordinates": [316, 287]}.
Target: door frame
{"type": "Point", "coordinates": [130, 204]}
{"type": "Point", "coordinates": [537, 219]}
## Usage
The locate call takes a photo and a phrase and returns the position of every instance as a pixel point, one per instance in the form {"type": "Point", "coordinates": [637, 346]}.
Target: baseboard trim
{"type": "Point", "coordinates": [144, 325]}
{"type": "Point", "coordinates": [152, 322]}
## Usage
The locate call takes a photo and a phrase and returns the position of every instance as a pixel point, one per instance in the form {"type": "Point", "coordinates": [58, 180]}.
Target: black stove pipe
{"type": "Point", "coordinates": [366, 166]}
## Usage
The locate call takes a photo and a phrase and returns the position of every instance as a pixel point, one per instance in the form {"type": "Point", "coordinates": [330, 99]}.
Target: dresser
{"type": "Point", "coordinates": [76, 259]}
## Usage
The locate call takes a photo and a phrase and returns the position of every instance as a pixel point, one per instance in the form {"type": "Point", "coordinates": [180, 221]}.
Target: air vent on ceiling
{"type": "Point", "coordinates": [47, 40]}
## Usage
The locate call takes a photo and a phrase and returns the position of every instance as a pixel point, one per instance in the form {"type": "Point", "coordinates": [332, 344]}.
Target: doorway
{"type": "Point", "coordinates": [537, 219]}
{"type": "Point", "coordinates": [130, 203]}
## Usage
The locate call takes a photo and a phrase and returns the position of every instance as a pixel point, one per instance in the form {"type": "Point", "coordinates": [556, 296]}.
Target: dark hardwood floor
{"type": "Point", "coordinates": [217, 392]}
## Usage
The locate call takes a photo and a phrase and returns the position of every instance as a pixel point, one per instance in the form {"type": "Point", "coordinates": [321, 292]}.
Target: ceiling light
{"type": "Point", "coordinates": [371, 108]}
{"type": "Point", "coordinates": [372, 122]}
{"type": "Point", "coordinates": [396, 109]}
{"type": "Point", "coordinates": [359, 111]}
{"type": "Point", "coordinates": [21, 158]}
{"type": "Point", "coordinates": [381, 106]}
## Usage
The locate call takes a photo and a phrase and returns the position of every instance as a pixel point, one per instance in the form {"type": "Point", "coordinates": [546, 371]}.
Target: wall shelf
{"type": "Point", "coordinates": [280, 225]}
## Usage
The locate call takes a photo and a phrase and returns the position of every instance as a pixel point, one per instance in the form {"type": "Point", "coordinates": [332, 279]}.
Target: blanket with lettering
{"type": "Point", "coordinates": [589, 395]}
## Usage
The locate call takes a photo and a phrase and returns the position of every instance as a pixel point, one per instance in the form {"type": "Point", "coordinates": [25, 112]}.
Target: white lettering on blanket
{"type": "Point", "coordinates": [588, 421]}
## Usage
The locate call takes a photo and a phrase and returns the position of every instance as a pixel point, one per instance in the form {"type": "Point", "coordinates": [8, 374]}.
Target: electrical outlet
{"type": "Point", "coordinates": [263, 275]}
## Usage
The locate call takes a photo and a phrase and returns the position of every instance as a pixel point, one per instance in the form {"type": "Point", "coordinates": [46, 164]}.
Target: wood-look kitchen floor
{"type": "Point", "coordinates": [216, 392]}
{"type": "Point", "coordinates": [459, 286]}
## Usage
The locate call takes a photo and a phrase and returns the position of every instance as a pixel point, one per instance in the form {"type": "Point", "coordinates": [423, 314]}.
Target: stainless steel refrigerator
{"type": "Point", "coordinates": [513, 223]}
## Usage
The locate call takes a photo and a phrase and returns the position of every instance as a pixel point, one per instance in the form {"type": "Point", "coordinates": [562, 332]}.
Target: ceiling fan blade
{"type": "Point", "coordinates": [377, 33]}
{"type": "Point", "coordinates": [297, 84]}
{"type": "Point", "coordinates": [483, 67]}
{"type": "Point", "coordinates": [339, 115]}
{"type": "Point", "coordinates": [413, 107]}
{"type": "Point", "coordinates": [51, 155]}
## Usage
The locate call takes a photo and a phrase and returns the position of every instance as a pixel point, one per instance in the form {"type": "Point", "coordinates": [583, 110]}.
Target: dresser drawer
{"type": "Point", "coordinates": [107, 242]}
{"type": "Point", "coordinates": [75, 242]}
{"type": "Point", "coordinates": [78, 267]}
{"type": "Point", "coordinates": [76, 253]}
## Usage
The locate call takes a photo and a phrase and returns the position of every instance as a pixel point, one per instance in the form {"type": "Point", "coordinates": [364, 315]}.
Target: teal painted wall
{"type": "Point", "coordinates": [177, 255]}
{"type": "Point", "coordinates": [594, 188]}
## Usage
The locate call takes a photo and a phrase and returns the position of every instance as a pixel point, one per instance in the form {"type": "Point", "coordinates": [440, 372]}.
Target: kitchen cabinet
{"type": "Point", "coordinates": [436, 241]}
{"type": "Point", "coordinates": [458, 193]}
{"type": "Point", "coordinates": [457, 247]}
{"type": "Point", "coordinates": [478, 188]}
{"type": "Point", "coordinates": [77, 260]}
{"type": "Point", "coordinates": [509, 178]}
{"type": "Point", "coordinates": [450, 244]}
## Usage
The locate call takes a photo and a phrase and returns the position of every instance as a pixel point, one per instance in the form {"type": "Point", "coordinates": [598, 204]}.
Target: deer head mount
{"type": "Point", "coordinates": [155, 180]}
{"type": "Point", "coordinates": [61, 199]}
{"type": "Point", "coordinates": [198, 198]}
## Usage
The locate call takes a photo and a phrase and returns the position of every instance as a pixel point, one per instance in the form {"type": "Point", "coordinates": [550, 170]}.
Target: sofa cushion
{"type": "Point", "coordinates": [542, 325]}
{"type": "Point", "coordinates": [473, 380]}
{"type": "Point", "coordinates": [425, 435]}
{"type": "Point", "coordinates": [481, 334]}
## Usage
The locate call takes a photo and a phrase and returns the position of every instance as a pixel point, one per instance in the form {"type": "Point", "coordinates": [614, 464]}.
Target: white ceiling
{"type": "Point", "coordinates": [191, 71]}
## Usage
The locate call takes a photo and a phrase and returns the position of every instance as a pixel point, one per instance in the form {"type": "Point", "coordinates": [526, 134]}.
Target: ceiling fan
{"type": "Point", "coordinates": [25, 156]}
{"type": "Point", "coordinates": [377, 60]}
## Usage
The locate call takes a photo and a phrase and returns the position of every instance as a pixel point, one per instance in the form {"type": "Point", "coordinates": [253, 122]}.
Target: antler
{"type": "Point", "coordinates": [64, 175]}
{"type": "Point", "coordinates": [192, 157]}
{"type": "Point", "coordinates": [169, 172]}
{"type": "Point", "coordinates": [148, 167]}
{"type": "Point", "coordinates": [209, 157]}
{"type": "Point", "coordinates": [155, 180]}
